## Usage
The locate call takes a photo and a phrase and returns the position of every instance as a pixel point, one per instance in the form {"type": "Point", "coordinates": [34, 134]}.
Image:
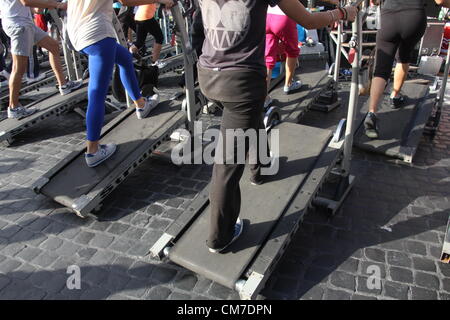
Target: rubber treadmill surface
{"type": "Point", "coordinates": [261, 207]}
{"type": "Point", "coordinates": [399, 129]}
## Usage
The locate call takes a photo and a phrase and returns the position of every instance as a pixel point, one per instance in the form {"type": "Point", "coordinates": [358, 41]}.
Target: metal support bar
{"type": "Point", "coordinates": [354, 93]}
{"type": "Point", "coordinates": [444, 82]}
{"type": "Point", "coordinates": [337, 63]}
{"type": "Point", "coordinates": [189, 62]}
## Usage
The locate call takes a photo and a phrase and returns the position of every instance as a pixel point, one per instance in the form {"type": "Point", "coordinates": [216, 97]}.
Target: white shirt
{"type": "Point", "coordinates": [14, 13]}
{"type": "Point", "coordinates": [275, 10]}
{"type": "Point", "coordinates": [89, 21]}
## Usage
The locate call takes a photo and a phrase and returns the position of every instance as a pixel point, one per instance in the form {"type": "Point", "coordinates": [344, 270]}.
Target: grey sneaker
{"type": "Point", "coordinates": [104, 152]}
{"type": "Point", "coordinates": [371, 125]}
{"type": "Point", "coordinates": [150, 104]}
{"type": "Point", "coordinates": [69, 87]}
{"type": "Point", "coordinates": [295, 85]}
{"type": "Point", "coordinates": [238, 227]}
{"type": "Point", "coordinates": [20, 112]}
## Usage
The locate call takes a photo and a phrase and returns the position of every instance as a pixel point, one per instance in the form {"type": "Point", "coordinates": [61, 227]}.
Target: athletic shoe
{"type": "Point", "coordinates": [237, 232]}
{"type": "Point", "coordinates": [371, 125]}
{"type": "Point", "coordinates": [150, 104]}
{"type": "Point", "coordinates": [20, 112]}
{"type": "Point", "coordinates": [398, 101]}
{"type": "Point", "coordinates": [104, 152]}
{"type": "Point", "coordinates": [5, 74]}
{"type": "Point", "coordinates": [295, 85]}
{"type": "Point", "coordinates": [160, 64]}
{"type": "Point", "coordinates": [267, 102]}
{"type": "Point", "coordinates": [256, 180]}
{"type": "Point", "coordinates": [70, 86]}
{"type": "Point", "coordinates": [31, 80]}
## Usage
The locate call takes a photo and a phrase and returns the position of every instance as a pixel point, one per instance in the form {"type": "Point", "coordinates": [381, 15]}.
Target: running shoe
{"type": "Point", "coordinates": [238, 227]}
{"type": "Point", "coordinates": [150, 104]}
{"type": "Point", "coordinates": [70, 86]}
{"type": "Point", "coordinates": [398, 101]}
{"type": "Point", "coordinates": [20, 112]}
{"type": "Point", "coordinates": [295, 85]}
{"type": "Point", "coordinates": [371, 125]}
{"type": "Point", "coordinates": [104, 152]}
{"type": "Point", "coordinates": [256, 180]}
{"type": "Point", "coordinates": [160, 64]}
{"type": "Point", "coordinates": [31, 80]}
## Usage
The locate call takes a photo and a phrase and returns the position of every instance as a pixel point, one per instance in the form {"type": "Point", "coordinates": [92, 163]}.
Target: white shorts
{"type": "Point", "coordinates": [23, 38]}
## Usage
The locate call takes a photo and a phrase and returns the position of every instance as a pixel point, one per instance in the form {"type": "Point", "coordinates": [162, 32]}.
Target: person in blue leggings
{"type": "Point", "coordinates": [90, 29]}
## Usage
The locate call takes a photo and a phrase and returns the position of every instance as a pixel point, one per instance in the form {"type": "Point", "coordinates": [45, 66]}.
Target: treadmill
{"type": "Point", "coordinates": [73, 184]}
{"type": "Point", "coordinates": [309, 158]}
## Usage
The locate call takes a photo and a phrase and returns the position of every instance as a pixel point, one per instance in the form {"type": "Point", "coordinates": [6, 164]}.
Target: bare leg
{"type": "Point", "coordinates": [400, 74]}
{"type": "Point", "coordinates": [53, 48]}
{"type": "Point", "coordinates": [376, 92]}
{"type": "Point", "coordinates": [291, 65]}
{"type": "Point", "coordinates": [269, 78]}
{"type": "Point", "coordinates": [19, 67]}
{"type": "Point", "coordinates": [156, 51]}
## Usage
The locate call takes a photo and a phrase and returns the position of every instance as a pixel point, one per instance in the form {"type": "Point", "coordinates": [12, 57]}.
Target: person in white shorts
{"type": "Point", "coordinates": [18, 24]}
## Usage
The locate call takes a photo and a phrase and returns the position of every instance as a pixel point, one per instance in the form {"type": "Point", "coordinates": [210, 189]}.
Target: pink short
{"type": "Point", "coordinates": [280, 28]}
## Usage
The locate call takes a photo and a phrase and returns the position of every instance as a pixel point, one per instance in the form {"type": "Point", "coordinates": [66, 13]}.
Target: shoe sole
{"type": "Point", "coordinates": [229, 244]}
{"type": "Point", "coordinates": [92, 165]}
{"type": "Point", "coordinates": [372, 134]}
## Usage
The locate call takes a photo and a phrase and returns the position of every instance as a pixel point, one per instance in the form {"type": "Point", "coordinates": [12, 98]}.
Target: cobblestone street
{"type": "Point", "coordinates": [394, 219]}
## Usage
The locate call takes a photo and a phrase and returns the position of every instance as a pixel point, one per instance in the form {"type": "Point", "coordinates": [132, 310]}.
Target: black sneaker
{"type": "Point", "coordinates": [238, 227]}
{"type": "Point", "coordinates": [256, 180]}
{"type": "Point", "coordinates": [371, 125]}
{"type": "Point", "coordinates": [398, 101]}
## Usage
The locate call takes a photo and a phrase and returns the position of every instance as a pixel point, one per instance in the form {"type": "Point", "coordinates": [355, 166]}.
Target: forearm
{"type": "Point", "coordinates": [297, 12]}
{"type": "Point", "coordinates": [444, 3]}
{"type": "Point", "coordinates": [130, 3]}
{"type": "Point", "coordinates": [44, 4]}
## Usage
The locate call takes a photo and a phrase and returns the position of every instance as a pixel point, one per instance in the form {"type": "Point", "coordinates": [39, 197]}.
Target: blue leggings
{"type": "Point", "coordinates": [102, 57]}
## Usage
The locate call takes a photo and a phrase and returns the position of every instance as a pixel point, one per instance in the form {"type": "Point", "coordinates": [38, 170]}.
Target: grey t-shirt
{"type": "Point", "coordinates": [403, 4]}
{"type": "Point", "coordinates": [234, 46]}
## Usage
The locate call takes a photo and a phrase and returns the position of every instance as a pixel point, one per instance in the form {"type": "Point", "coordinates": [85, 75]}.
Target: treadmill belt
{"type": "Point", "coordinates": [261, 207]}
{"type": "Point", "coordinates": [397, 126]}
{"type": "Point", "coordinates": [77, 179]}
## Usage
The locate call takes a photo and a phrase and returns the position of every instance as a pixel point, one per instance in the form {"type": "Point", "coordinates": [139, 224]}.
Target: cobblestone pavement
{"type": "Point", "coordinates": [394, 219]}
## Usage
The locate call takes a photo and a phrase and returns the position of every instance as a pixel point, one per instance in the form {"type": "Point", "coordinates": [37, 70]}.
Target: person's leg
{"type": "Point", "coordinates": [101, 62]}
{"type": "Point", "coordinates": [400, 74]}
{"type": "Point", "coordinates": [15, 80]}
{"type": "Point", "coordinates": [141, 36]}
{"type": "Point", "coordinates": [271, 50]}
{"type": "Point", "coordinates": [128, 74]}
{"type": "Point", "coordinates": [157, 34]}
{"type": "Point", "coordinates": [53, 48]}
{"type": "Point", "coordinates": [225, 196]}
{"type": "Point", "coordinates": [290, 39]}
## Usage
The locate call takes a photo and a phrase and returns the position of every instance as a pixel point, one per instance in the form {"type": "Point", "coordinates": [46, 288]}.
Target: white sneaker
{"type": "Point", "coordinates": [104, 152]}
{"type": "Point", "coordinates": [150, 104]}
{"type": "Point", "coordinates": [294, 86]}
{"type": "Point", "coordinates": [70, 86]}
{"type": "Point", "coordinates": [160, 64]}
{"type": "Point", "coordinates": [5, 73]}
{"type": "Point", "coordinates": [20, 112]}
{"type": "Point", "coordinates": [31, 80]}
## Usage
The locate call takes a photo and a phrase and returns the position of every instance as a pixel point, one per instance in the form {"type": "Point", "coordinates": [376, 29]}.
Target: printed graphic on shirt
{"type": "Point", "coordinates": [226, 22]}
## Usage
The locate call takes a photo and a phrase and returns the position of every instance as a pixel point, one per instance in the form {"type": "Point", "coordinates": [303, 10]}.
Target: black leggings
{"type": "Point", "coordinates": [400, 32]}
{"type": "Point", "coordinates": [145, 27]}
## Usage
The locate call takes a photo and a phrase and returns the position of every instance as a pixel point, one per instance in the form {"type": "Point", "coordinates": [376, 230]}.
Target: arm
{"type": "Point", "coordinates": [444, 3]}
{"type": "Point", "coordinates": [297, 12]}
{"type": "Point", "coordinates": [50, 4]}
{"type": "Point", "coordinates": [129, 3]}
